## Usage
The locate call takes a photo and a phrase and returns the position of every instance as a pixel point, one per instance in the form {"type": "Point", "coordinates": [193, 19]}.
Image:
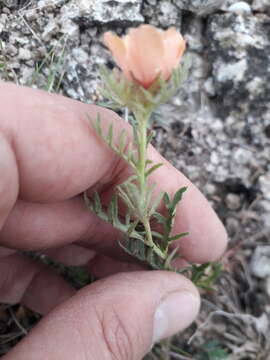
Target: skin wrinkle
{"type": "Point", "coordinates": [104, 336]}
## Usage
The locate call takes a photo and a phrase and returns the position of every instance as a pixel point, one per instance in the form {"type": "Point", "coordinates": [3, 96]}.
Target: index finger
{"type": "Point", "coordinates": [51, 153]}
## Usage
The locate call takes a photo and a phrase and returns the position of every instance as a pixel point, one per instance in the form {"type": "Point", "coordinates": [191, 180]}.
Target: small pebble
{"type": "Point", "coordinates": [233, 201]}
{"type": "Point", "coordinates": [240, 8]}
{"type": "Point", "coordinates": [24, 54]}
{"type": "Point", "coordinates": [260, 263]}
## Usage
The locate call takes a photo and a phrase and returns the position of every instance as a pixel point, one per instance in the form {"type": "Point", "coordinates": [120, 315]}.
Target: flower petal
{"type": "Point", "coordinates": [175, 46]}
{"type": "Point", "coordinates": [145, 53]}
{"type": "Point", "coordinates": [118, 50]}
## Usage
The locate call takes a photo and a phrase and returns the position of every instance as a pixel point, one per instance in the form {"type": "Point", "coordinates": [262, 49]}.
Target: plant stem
{"type": "Point", "coordinates": [142, 158]}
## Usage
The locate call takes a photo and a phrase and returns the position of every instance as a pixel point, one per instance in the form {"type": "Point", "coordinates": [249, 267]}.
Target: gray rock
{"type": "Point", "coordinates": [162, 13]}
{"type": "Point", "coordinates": [11, 4]}
{"type": "Point", "coordinates": [93, 12]}
{"type": "Point", "coordinates": [239, 48]}
{"type": "Point", "coordinates": [240, 8]}
{"type": "Point", "coordinates": [24, 54]}
{"type": "Point", "coordinates": [268, 286]}
{"type": "Point", "coordinates": [264, 181]}
{"type": "Point", "coordinates": [233, 201]}
{"type": "Point", "coordinates": [261, 5]}
{"type": "Point", "coordinates": [260, 263]}
{"type": "Point", "coordinates": [200, 7]}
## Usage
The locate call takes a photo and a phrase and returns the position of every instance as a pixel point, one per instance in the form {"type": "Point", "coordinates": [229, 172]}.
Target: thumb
{"type": "Point", "coordinates": [119, 317]}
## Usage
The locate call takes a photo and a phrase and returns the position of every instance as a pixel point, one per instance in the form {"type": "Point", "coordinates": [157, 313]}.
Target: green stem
{"type": "Point", "coordinates": [142, 158]}
{"type": "Point", "coordinates": [142, 154]}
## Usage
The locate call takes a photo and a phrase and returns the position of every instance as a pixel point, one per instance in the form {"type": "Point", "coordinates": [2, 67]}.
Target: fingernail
{"type": "Point", "coordinates": [175, 313]}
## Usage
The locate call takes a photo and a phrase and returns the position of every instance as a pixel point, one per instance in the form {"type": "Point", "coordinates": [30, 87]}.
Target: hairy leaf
{"type": "Point", "coordinates": [153, 168]}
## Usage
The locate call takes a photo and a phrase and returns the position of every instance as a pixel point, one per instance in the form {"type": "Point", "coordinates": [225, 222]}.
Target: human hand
{"type": "Point", "coordinates": [49, 156]}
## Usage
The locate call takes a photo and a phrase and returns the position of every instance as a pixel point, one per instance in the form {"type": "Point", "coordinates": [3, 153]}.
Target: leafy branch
{"type": "Point", "coordinates": [147, 225]}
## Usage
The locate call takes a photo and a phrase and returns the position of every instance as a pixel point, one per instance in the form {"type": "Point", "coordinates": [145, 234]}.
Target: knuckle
{"type": "Point", "coordinates": [116, 334]}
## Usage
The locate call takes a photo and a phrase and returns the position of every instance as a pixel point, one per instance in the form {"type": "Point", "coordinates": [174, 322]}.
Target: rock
{"type": "Point", "coordinates": [200, 7]}
{"type": "Point", "coordinates": [162, 13]}
{"type": "Point", "coordinates": [50, 29]}
{"type": "Point", "coordinates": [261, 6]}
{"type": "Point", "coordinates": [11, 50]}
{"type": "Point", "coordinates": [239, 48]}
{"type": "Point", "coordinates": [11, 4]}
{"type": "Point", "coordinates": [239, 51]}
{"type": "Point", "coordinates": [260, 263]}
{"type": "Point", "coordinates": [264, 181]}
{"type": "Point", "coordinates": [232, 226]}
{"type": "Point", "coordinates": [24, 54]}
{"type": "Point", "coordinates": [268, 286]}
{"type": "Point", "coordinates": [233, 201]}
{"type": "Point", "coordinates": [240, 8]}
{"type": "Point", "coordinates": [100, 12]}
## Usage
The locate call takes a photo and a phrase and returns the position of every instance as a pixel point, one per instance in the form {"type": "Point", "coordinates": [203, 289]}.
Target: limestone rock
{"type": "Point", "coordinates": [162, 13]}
{"type": "Point", "coordinates": [240, 8]}
{"type": "Point", "coordinates": [93, 12]}
{"type": "Point", "coordinates": [260, 263]}
{"type": "Point", "coordinates": [262, 6]}
{"type": "Point", "coordinates": [239, 48]}
{"type": "Point", "coordinates": [200, 7]}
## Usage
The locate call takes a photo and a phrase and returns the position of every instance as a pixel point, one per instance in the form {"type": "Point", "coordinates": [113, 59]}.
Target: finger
{"type": "Point", "coordinates": [71, 255]}
{"type": "Point", "coordinates": [35, 226]}
{"type": "Point", "coordinates": [102, 266]}
{"type": "Point", "coordinates": [31, 283]}
{"type": "Point", "coordinates": [117, 318]}
{"type": "Point", "coordinates": [60, 137]}
{"type": "Point", "coordinates": [59, 155]}
{"type": "Point", "coordinates": [6, 252]}
{"type": "Point", "coordinates": [41, 226]}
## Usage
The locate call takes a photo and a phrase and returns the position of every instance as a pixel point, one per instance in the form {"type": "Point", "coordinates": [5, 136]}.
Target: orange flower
{"type": "Point", "coordinates": [146, 52]}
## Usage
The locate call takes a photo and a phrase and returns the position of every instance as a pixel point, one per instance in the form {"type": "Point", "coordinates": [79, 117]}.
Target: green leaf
{"type": "Point", "coordinates": [135, 133]}
{"type": "Point", "coordinates": [160, 218]}
{"type": "Point", "coordinates": [87, 201]}
{"type": "Point", "coordinates": [178, 197]}
{"type": "Point", "coordinates": [153, 168]}
{"type": "Point", "coordinates": [109, 138]}
{"type": "Point", "coordinates": [122, 141]}
{"type": "Point", "coordinates": [97, 203]}
{"type": "Point", "coordinates": [157, 234]}
{"type": "Point", "coordinates": [129, 156]}
{"type": "Point", "coordinates": [156, 203]}
{"type": "Point", "coordinates": [178, 236]}
{"type": "Point", "coordinates": [148, 96]}
{"type": "Point", "coordinates": [171, 257]}
{"type": "Point", "coordinates": [125, 197]}
{"type": "Point", "coordinates": [113, 211]}
{"type": "Point", "coordinates": [166, 199]}
{"type": "Point", "coordinates": [205, 275]}
{"type": "Point", "coordinates": [97, 126]}
{"type": "Point", "coordinates": [132, 227]}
